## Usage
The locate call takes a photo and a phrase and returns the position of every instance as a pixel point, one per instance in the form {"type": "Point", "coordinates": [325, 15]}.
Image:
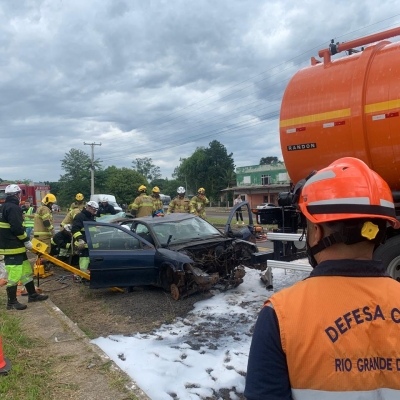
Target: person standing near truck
{"type": "Point", "coordinates": [142, 205]}
{"type": "Point", "coordinates": [179, 204]}
{"type": "Point", "coordinates": [341, 341]}
{"type": "Point", "coordinates": [13, 245]}
{"type": "Point", "coordinates": [198, 203]}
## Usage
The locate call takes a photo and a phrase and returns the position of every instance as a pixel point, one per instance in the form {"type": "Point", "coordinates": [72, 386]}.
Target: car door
{"type": "Point", "coordinates": [119, 257]}
{"type": "Point", "coordinates": [246, 233]}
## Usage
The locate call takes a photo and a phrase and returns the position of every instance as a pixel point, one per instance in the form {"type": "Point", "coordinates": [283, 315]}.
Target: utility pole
{"type": "Point", "coordinates": [92, 166]}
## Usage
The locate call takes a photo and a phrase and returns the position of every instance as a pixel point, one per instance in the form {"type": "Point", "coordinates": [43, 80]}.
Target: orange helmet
{"type": "Point", "coordinates": [347, 189]}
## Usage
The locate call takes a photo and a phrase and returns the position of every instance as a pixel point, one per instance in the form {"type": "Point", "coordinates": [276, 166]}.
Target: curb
{"type": "Point", "coordinates": [55, 311]}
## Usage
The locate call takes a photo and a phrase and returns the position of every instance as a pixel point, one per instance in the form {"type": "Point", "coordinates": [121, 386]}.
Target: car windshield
{"type": "Point", "coordinates": [185, 230]}
{"type": "Point", "coordinates": [108, 218]}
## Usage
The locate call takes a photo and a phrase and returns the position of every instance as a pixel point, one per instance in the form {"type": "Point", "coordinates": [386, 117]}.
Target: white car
{"type": "Point", "coordinates": [266, 205]}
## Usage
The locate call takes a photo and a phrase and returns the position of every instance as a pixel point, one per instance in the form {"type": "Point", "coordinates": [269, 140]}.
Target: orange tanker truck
{"type": "Point", "coordinates": [347, 107]}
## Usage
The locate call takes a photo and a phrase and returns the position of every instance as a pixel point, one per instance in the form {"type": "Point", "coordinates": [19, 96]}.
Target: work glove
{"type": "Point", "coordinates": [81, 244]}
{"type": "Point", "coordinates": [28, 245]}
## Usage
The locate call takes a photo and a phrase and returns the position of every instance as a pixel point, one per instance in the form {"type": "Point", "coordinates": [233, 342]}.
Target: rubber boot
{"type": "Point", "coordinates": [12, 302]}
{"type": "Point", "coordinates": [33, 296]}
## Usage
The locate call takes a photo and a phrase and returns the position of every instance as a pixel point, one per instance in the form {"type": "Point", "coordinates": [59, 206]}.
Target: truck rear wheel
{"type": "Point", "coordinates": [389, 254]}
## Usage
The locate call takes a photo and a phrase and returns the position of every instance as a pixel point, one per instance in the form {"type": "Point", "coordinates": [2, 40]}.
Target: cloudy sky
{"type": "Point", "coordinates": [157, 78]}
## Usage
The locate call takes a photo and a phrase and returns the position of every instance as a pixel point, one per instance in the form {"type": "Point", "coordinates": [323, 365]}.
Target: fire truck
{"type": "Point", "coordinates": [33, 192]}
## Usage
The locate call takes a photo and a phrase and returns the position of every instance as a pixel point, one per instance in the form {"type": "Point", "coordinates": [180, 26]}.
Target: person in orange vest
{"type": "Point", "coordinates": [336, 334]}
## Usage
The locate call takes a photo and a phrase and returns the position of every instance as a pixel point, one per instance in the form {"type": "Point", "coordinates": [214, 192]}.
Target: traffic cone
{"type": "Point", "coordinates": [5, 364]}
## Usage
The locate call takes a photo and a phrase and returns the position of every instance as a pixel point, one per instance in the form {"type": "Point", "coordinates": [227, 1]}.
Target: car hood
{"type": "Point", "coordinates": [192, 243]}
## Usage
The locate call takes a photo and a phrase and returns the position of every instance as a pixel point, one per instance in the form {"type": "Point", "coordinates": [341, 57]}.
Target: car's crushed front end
{"type": "Point", "coordinates": [216, 262]}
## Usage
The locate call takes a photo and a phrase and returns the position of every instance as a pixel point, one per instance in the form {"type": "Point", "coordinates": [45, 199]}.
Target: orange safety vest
{"type": "Point", "coordinates": [341, 337]}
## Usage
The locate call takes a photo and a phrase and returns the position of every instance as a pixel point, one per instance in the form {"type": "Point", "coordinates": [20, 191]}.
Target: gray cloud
{"type": "Point", "coordinates": [157, 78]}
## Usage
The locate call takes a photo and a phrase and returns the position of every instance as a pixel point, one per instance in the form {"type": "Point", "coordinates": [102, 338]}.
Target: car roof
{"type": "Point", "coordinates": [175, 217]}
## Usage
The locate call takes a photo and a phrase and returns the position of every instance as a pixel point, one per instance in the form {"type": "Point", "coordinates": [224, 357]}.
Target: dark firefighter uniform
{"type": "Point", "coordinates": [61, 244]}
{"type": "Point", "coordinates": [179, 205]}
{"type": "Point", "coordinates": [78, 233]}
{"type": "Point", "coordinates": [345, 347]}
{"type": "Point", "coordinates": [12, 239]}
{"type": "Point", "coordinates": [143, 205]}
{"type": "Point", "coordinates": [105, 209]}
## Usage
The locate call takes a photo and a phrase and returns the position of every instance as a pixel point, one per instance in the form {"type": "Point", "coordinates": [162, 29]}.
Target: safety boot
{"type": "Point", "coordinates": [12, 302]}
{"type": "Point", "coordinates": [32, 295]}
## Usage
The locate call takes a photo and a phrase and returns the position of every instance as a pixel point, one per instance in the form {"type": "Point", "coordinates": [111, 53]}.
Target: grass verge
{"type": "Point", "coordinates": [30, 372]}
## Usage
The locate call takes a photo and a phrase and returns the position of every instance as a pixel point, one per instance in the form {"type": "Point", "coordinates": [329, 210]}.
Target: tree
{"type": "Point", "coordinates": [167, 186]}
{"type": "Point", "coordinates": [76, 179]}
{"type": "Point", "coordinates": [146, 168]}
{"type": "Point", "coordinates": [208, 168]}
{"type": "Point", "coordinates": [123, 183]}
{"type": "Point", "coordinates": [269, 160]}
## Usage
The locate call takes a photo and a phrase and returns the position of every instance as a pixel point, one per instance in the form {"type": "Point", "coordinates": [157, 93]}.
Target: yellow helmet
{"type": "Point", "coordinates": [142, 188]}
{"type": "Point", "coordinates": [49, 198]}
{"type": "Point", "coordinates": [79, 197]}
{"type": "Point", "coordinates": [156, 189]}
{"type": "Point", "coordinates": [201, 191]}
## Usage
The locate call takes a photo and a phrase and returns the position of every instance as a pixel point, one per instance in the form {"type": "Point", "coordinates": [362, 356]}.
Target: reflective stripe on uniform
{"type": "Point", "coordinates": [5, 225]}
{"type": "Point", "coordinates": [42, 233]}
{"type": "Point", "coordinates": [44, 215]}
{"type": "Point", "coordinates": [17, 250]}
{"type": "Point", "coordinates": [22, 237]}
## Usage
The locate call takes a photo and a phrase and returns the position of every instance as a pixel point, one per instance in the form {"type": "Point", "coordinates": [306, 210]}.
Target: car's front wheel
{"type": "Point", "coordinates": [175, 292]}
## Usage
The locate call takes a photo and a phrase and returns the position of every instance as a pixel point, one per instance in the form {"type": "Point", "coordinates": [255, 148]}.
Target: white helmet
{"type": "Point", "coordinates": [12, 189]}
{"type": "Point", "coordinates": [104, 199]}
{"type": "Point", "coordinates": [67, 227]}
{"type": "Point", "coordinates": [181, 190]}
{"type": "Point", "coordinates": [92, 204]}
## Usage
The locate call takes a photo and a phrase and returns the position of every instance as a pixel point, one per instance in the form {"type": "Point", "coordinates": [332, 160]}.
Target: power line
{"type": "Point", "coordinates": [230, 112]}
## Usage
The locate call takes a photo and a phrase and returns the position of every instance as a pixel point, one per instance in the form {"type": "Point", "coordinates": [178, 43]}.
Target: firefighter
{"type": "Point", "coordinates": [142, 205]}
{"type": "Point", "coordinates": [13, 245]}
{"type": "Point", "coordinates": [322, 337]}
{"type": "Point", "coordinates": [61, 243]}
{"type": "Point", "coordinates": [43, 224]}
{"type": "Point", "coordinates": [79, 235]}
{"type": "Point", "coordinates": [105, 208]}
{"type": "Point", "coordinates": [78, 203]}
{"type": "Point", "coordinates": [27, 212]}
{"type": "Point", "coordinates": [198, 204]}
{"type": "Point", "coordinates": [157, 202]}
{"type": "Point", "coordinates": [179, 204]}
{"type": "Point", "coordinates": [69, 217]}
